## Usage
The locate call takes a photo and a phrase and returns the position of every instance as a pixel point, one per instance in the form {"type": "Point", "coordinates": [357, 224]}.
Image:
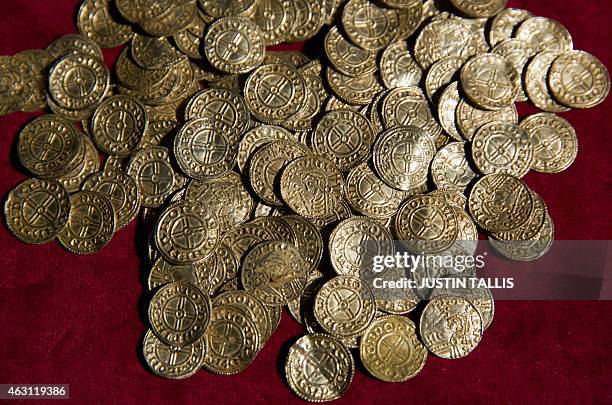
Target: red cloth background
{"type": "Point", "coordinates": [75, 320]}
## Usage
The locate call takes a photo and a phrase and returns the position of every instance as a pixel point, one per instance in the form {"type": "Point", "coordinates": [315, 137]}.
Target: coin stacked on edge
{"type": "Point", "coordinates": [259, 174]}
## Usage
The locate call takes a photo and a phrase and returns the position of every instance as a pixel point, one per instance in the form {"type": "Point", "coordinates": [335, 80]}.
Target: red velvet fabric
{"type": "Point", "coordinates": [75, 320]}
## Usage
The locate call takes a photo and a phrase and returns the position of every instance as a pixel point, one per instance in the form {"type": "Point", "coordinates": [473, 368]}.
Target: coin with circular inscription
{"type": "Point", "coordinates": [438, 327]}
{"type": "Point", "coordinates": [479, 9]}
{"type": "Point", "coordinates": [275, 272]}
{"type": "Point", "coordinates": [450, 168]}
{"type": "Point", "coordinates": [91, 223]}
{"type": "Point", "coordinates": [319, 368]}
{"type": "Point", "coordinates": [398, 68]}
{"type": "Point", "coordinates": [95, 21]}
{"type": "Point", "coordinates": [137, 11]}
{"type": "Point", "coordinates": [163, 272]}
{"type": "Point", "coordinates": [545, 34]}
{"type": "Point", "coordinates": [274, 18]}
{"type": "Point", "coordinates": [72, 44]}
{"type": "Point", "coordinates": [369, 195]}
{"type": "Point", "coordinates": [222, 105]}
{"type": "Point", "coordinates": [447, 110]}
{"type": "Point", "coordinates": [531, 228]}
{"type": "Point", "coordinates": [156, 180]}
{"type": "Point", "coordinates": [344, 306]}
{"type": "Point", "coordinates": [441, 74]}
{"type": "Point", "coordinates": [298, 305]}
{"type": "Point", "coordinates": [578, 79]}
{"type": "Point", "coordinates": [390, 349]}
{"type": "Point", "coordinates": [409, 17]}
{"type": "Point", "coordinates": [37, 210]}
{"type": "Point", "coordinates": [220, 8]}
{"type": "Point", "coordinates": [503, 147]}
{"type": "Point", "coordinates": [441, 39]}
{"type": "Point", "coordinates": [505, 23]}
{"type": "Point", "coordinates": [347, 58]}
{"type": "Point", "coordinates": [480, 297]}
{"type": "Point", "coordinates": [89, 164]}
{"type": "Point", "coordinates": [536, 82]}
{"type": "Point", "coordinates": [154, 52]}
{"type": "Point", "coordinates": [309, 18]}
{"type": "Point", "coordinates": [518, 53]}
{"type": "Point", "coordinates": [470, 118]}
{"type": "Point", "coordinates": [369, 26]}
{"type": "Point", "coordinates": [176, 362]}
{"type": "Point", "coordinates": [308, 239]}
{"type": "Point", "coordinates": [175, 19]}
{"type": "Point", "coordinates": [257, 137]}
{"type": "Point", "coordinates": [490, 81]}
{"type": "Point", "coordinates": [528, 250]}
{"type": "Point", "coordinates": [353, 90]}
{"type": "Point", "coordinates": [499, 203]}
{"type": "Point", "coordinates": [251, 306]}
{"type": "Point", "coordinates": [554, 141]}
{"type": "Point", "coordinates": [408, 106]}
{"type": "Point", "coordinates": [402, 156]}
{"type": "Point", "coordinates": [179, 313]}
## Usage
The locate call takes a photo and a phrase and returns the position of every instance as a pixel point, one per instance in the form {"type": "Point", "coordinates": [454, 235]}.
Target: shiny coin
{"type": "Point", "coordinates": [441, 39]}
{"type": "Point", "coordinates": [390, 349]}
{"type": "Point", "coordinates": [504, 24]}
{"type": "Point", "coordinates": [531, 228]}
{"type": "Point", "coordinates": [402, 156]}
{"type": "Point", "coordinates": [175, 362]}
{"type": "Point", "coordinates": [257, 137]}
{"type": "Point", "coordinates": [298, 305]}
{"type": "Point", "coordinates": [308, 20]}
{"type": "Point", "coordinates": [398, 68]}
{"type": "Point", "coordinates": [450, 168]}
{"type": "Point", "coordinates": [369, 26]}
{"type": "Point", "coordinates": [121, 190]}
{"type": "Point", "coordinates": [312, 186]}
{"type": "Point", "coordinates": [234, 45]}
{"type": "Point", "coordinates": [137, 11]}
{"type": "Point", "coordinates": [190, 39]}
{"type": "Point", "coordinates": [156, 180]}
{"type": "Point", "coordinates": [354, 90]}
{"type": "Point", "coordinates": [409, 16]}
{"type": "Point", "coordinates": [219, 8]}
{"type": "Point", "coordinates": [528, 250]}
{"type": "Point", "coordinates": [490, 82]}
{"type": "Point", "coordinates": [308, 239]}
{"type": "Point", "coordinates": [245, 236]}
{"type": "Point", "coordinates": [154, 53]}
{"type": "Point", "coordinates": [426, 224]}
{"type": "Point", "coordinates": [518, 53]}
{"type": "Point", "coordinates": [501, 147]}
{"type": "Point", "coordinates": [354, 242]}
{"type": "Point", "coordinates": [447, 110]}
{"type": "Point", "coordinates": [219, 105]}
{"type": "Point", "coordinates": [186, 232]}
{"type": "Point", "coordinates": [345, 137]}
{"type": "Point", "coordinates": [37, 210]}
{"type": "Point", "coordinates": [408, 106]}
{"type": "Point", "coordinates": [163, 272]}
{"type": "Point", "coordinates": [344, 306]}
{"type": "Point", "coordinates": [577, 79]}
{"type": "Point", "coordinates": [438, 331]}
{"type": "Point", "coordinates": [480, 297]}
{"type": "Point", "coordinates": [118, 123]}
{"type": "Point", "coordinates": [536, 82]}
{"type": "Point", "coordinates": [179, 313]}
{"type": "Point", "coordinates": [17, 86]}
{"type": "Point", "coordinates": [319, 368]}
{"type": "Point", "coordinates": [279, 229]}
{"type": "Point", "coordinates": [275, 272]}
{"type": "Point", "coordinates": [91, 223]}
{"type": "Point", "coordinates": [88, 165]}
{"type": "Point", "coordinates": [554, 141]}
{"type": "Point", "coordinates": [275, 92]}
{"type": "Point", "coordinates": [274, 18]}
{"type": "Point", "coordinates": [73, 44]}
{"type": "Point", "coordinates": [545, 34]}
{"type": "Point", "coordinates": [369, 195]}
{"type": "Point", "coordinates": [441, 74]}
{"type": "Point", "coordinates": [170, 22]}
{"type": "Point", "coordinates": [203, 150]}
{"type": "Point", "coordinates": [251, 306]}
{"type": "Point", "coordinates": [95, 21]}
{"type": "Point", "coordinates": [500, 202]}
{"type": "Point", "coordinates": [487, 8]}
{"type": "Point", "coordinates": [470, 118]}
{"type": "Point", "coordinates": [347, 58]}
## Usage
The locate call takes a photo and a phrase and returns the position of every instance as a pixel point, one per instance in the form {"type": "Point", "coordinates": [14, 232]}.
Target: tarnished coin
{"type": "Point", "coordinates": [175, 362]}
{"type": "Point", "coordinates": [319, 368]}
{"type": "Point", "coordinates": [120, 189]}
{"type": "Point", "coordinates": [222, 105]}
{"type": "Point", "coordinates": [505, 23]}
{"type": "Point", "coordinates": [354, 242]}
{"type": "Point", "coordinates": [578, 79]}
{"type": "Point", "coordinates": [308, 239]}
{"type": "Point", "coordinates": [274, 18]}
{"type": "Point", "coordinates": [518, 53]}
{"type": "Point", "coordinates": [77, 82]}
{"type": "Point", "coordinates": [369, 195]}
{"type": "Point", "coordinates": [274, 93]}
{"type": "Point", "coordinates": [347, 58]}
{"type": "Point", "coordinates": [266, 165]}
{"type": "Point", "coordinates": [554, 141]}
{"type": "Point", "coordinates": [312, 186]}
{"type": "Point", "coordinates": [179, 313]}
{"type": "Point", "coordinates": [500, 203]}
{"type": "Point", "coordinates": [37, 210]}
{"type": "Point", "coordinates": [479, 9]}
{"type": "Point", "coordinates": [354, 90]}
{"type": "Point", "coordinates": [545, 34]}
{"type": "Point", "coordinates": [73, 44]}
{"type": "Point", "coordinates": [204, 150]}
{"type": "Point", "coordinates": [528, 250]}
{"type": "Point", "coordinates": [447, 110]}
{"type": "Point", "coordinates": [275, 272]}
{"type": "Point", "coordinates": [31, 85]}
{"type": "Point", "coordinates": [490, 81]}
{"type": "Point", "coordinates": [441, 39]}
{"type": "Point", "coordinates": [536, 82]}
{"type": "Point", "coordinates": [308, 20]}
{"type": "Point", "coordinates": [95, 21]}
{"type": "Point", "coordinates": [343, 136]}
{"type": "Point", "coordinates": [402, 156]}
{"type": "Point", "coordinates": [441, 74]}
{"type": "Point", "coordinates": [257, 137]}
{"type": "Point", "coordinates": [186, 232]}
{"type": "Point", "coordinates": [390, 349]}
{"type": "Point", "coordinates": [89, 164]}
{"type": "Point", "coordinates": [368, 25]}
{"type": "Point", "coordinates": [156, 180]}
{"type": "Point", "coordinates": [250, 306]}
{"type": "Point", "coordinates": [118, 124]}
{"type": "Point", "coordinates": [470, 118]}
{"type": "Point", "coordinates": [531, 228]}
{"type": "Point", "coordinates": [344, 306]}
{"type": "Point", "coordinates": [398, 68]}
{"type": "Point", "coordinates": [502, 147]}
{"type": "Point", "coordinates": [91, 223]}
{"type": "Point", "coordinates": [426, 224]}
{"type": "Point", "coordinates": [226, 196]}
{"type": "Point", "coordinates": [408, 106]}
{"type": "Point", "coordinates": [49, 146]}
{"type": "Point", "coordinates": [234, 45]}
{"type": "Point", "coordinates": [450, 168]}
{"type": "Point", "coordinates": [438, 327]}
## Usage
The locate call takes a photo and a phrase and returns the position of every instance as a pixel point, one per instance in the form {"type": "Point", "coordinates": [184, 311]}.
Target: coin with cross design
{"type": "Point", "coordinates": [490, 81]}
{"type": "Point", "coordinates": [37, 210]}
{"type": "Point", "coordinates": [390, 349]}
{"type": "Point", "coordinates": [441, 74]}
{"type": "Point", "coordinates": [479, 9]}
{"type": "Point", "coordinates": [118, 124]}
{"type": "Point", "coordinates": [398, 68]}
{"type": "Point", "coordinates": [154, 175]}
{"type": "Point", "coordinates": [221, 8]}
{"type": "Point", "coordinates": [369, 26]}
{"type": "Point", "coordinates": [222, 105]}
{"type": "Point", "coordinates": [545, 34]}
{"type": "Point", "coordinates": [73, 44]}
{"type": "Point", "coordinates": [95, 21]}
{"type": "Point", "coordinates": [176, 362]}
{"type": "Point", "coordinates": [91, 223]}
{"type": "Point", "coordinates": [347, 58]}
{"type": "Point", "coordinates": [251, 306]}
{"type": "Point", "coordinates": [344, 306]}
{"type": "Point", "coordinates": [257, 137]}
{"type": "Point", "coordinates": [505, 23]}
{"type": "Point", "coordinates": [354, 90]}
{"type": "Point", "coordinates": [470, 118]}
{"type": "Point", "coordinates": [319, 368]}
{"type": "Point", "coordinates": [503, 147]}
{"type": "Point", "coordinates": [441, 39]}
{"type": "Point", "coordinates": [518, 53]}
{"type": "Point", "coordinates": [179, 313]}
{"type": "Point", "coordinates": [186, 232]}
{"type": "Point", "coordinates": [307, 21]}
{"type": "Point", "coordinates": [408, 106]}
{"type": "Point", "coordinates": [536, 82]}
{"type": "Point", "coordinates": [274, 18]}
{"type": "Point", "coordinates": [89, 164]}
{"type": "Point", "coordinates": [450, 168]}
